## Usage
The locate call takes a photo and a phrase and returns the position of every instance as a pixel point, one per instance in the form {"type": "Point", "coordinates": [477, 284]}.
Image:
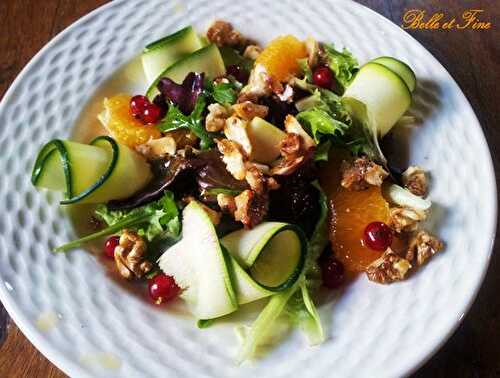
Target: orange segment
{"type": "Point", "coordinates": [350, 213]}
{"type": "Point", "coordinates": [280, 57]}
{"type": "Point", "coordinates": [123, 126]}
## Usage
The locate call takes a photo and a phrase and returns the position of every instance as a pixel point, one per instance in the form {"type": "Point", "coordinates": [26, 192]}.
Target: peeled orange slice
{"type": "Point", "coordinates": [350, 213]}
{"type": "Point", "coordinates": [122, 125]}
{"type": "Point", "coordinates": [280, 57]}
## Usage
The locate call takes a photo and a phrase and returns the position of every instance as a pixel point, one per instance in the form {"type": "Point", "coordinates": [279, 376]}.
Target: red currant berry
{"type": "Point", "coordinates": [137, 105]}
{"type": "Point", "coordinates": [377, 236]}
{"type": "Point", "coordinates": [162, 288]}
{"type": "Point", "coordinates": [110, 245]}
{"type": "Point", "coordinates": [332, 272]}
{"type": "Point", "coordinates": [323, 77]}
{"type": "Point", "coordinates": [151, 114]}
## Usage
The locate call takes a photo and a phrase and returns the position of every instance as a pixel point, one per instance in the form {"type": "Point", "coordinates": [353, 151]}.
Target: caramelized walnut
{"type": "Point", "coordinates": [235, 130]}
{"type": "Point", "coordinates": [291, 145]}
{"type": "Point", "coordinates": [248, 110]}
{"type": "Point", "coordinates": [293, 126]}
{"type": "Point", "coordinates": [422, 247]}
{"type": "Point", "coordinates": [157, 148]}
{"type": "Point", "coordinates": [226, 203]}
{"type": "Point", "coordinates": [361, 173]}
{"type": "Point", "coordinates": [250, 208]}
{"type": "Point", "coordinates": [222, 33]}
{"type": "Point", "coordinates": [260, 84]}
{"type": "Point", "coordinates": [216, 117]}
{"type": "Point", "coordinates": [388, 268]}
{"type": "Point", "coordinates": [130, 256]}
{"type": "Point", "coordinates": [415, 180]}
{"type": "Point", "coordinates": [234, 157]}
{"type": "Point", "coordinates": [404, 219]}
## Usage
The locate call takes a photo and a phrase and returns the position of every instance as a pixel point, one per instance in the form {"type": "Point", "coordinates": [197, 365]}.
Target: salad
{"type": "Point", "coordinates": [249, 173]}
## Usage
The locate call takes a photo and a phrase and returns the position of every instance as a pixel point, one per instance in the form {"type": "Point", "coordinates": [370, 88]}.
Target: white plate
{"type": "Point", "coordinates": [97, 328]}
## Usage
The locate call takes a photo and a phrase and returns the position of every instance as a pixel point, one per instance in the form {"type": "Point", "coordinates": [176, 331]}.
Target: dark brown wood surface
{"type": "Point", "coordinates": [471, 56]}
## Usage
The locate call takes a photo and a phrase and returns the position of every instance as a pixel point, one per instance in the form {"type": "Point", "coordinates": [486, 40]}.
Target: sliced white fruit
{"type": "Point", "coordinates": [400, 68]}
{"type": "Point", "coordinates": [207, 59]}
{"type": "Point", "coordinates": [200, 266]}
{"type": "Point", "coordinates": [265, 139]}
{"type": "Point", "coordinates": [403, 197]}
{"type": "Point", "coordinates": [384, 93]}
{"type": "Point", "coordinates": [161, 54]}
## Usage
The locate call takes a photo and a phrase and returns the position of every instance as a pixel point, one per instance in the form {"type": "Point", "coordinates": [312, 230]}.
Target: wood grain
{"type": "Point", "coordinates": [472, 58]}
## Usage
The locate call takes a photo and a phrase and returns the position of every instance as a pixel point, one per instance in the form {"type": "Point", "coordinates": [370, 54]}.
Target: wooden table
{"type": "Point", "coordinates": [471, 56]}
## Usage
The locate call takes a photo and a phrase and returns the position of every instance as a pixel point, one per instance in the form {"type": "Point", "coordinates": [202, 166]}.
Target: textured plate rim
{"type": "Point", "coordinates": [73, 369]}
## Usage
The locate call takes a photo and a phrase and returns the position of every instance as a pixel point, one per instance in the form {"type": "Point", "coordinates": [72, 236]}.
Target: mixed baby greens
{"type": "Point", "coordinates": [229, 212]}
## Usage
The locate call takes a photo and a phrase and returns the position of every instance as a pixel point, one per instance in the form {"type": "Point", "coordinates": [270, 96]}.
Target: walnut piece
{"type": "Point", "coordinates": [234, 157]}
{"type": "Point", "coordinates": [222, 33]}
{"type": "Point", "coordinates": [216, 117]}
{"type": "Point", "coordinates": [248, 110]}
{"type": "Point", "coordinates": [291, 145]}
{"type": "Point", "coordinates": [295, 151]}
{"type": "Point", "coordinates": [156, 148]}
{"type": "Point", "coordinates": [285, 167]}
{"type": "Point", "coordinates": [404, 219]}
{"type": "Point", "coordinates": [415, 180]}
{"type": "Point", "coordinates": [260, 84]}
{"type": "Point", "coordinates": [388, 268]}
{"type": "Point", "coordinates": [256, 180]}
{"type": "Point", "coordinates": [129, 256]}
{"type": "Point", "coordinates": [226, 203]}
{"type": "Point", "coordinates": [422, 247]}
{"type": "Point", "coordinates": [236, 131]}
{"type": "Point", "coordinates": [252, 52]}
{"type": "Point", "coordinates": [293, 126]}
{"type": "Point", "coordinates": [250, 208]}
{"type": "Point", "coordinates": [361, 173]}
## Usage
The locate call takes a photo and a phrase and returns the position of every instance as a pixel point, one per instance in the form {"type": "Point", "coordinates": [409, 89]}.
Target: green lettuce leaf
{"type": "Point", "coordinates": [322, 150]}
{"type": "Point", "coordinates": [163, 217]}
{"type": "Point", "coordinates": [363, 136]}
{"type": "Point", "coordinates": [306, 70]}
{"type": "Point", "coordinates": [343, 64]}
{"type": "Point", "coordinates": [223, 93]}
{"type": "Point", "coordinates": [324, 116]}
{"type": "Point", "coordinates": [319, 122]}
{"type": "Point", "coordinates": [159, 219]}
{"type": "Point", "coordinates": [175, 119]}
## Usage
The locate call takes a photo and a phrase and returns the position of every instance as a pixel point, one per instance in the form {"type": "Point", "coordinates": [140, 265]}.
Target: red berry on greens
{"type": "Point", "coordinates": [162, 288]}
{"type": "Point", "coordinates": [151, 114]}
{"type": "Point", "coordinates": [138, 105]}
{"type": "Point", "coordinates": [110, 245]}
{"type": "Point", "coordinates": [377, 236]}
{"type": "Point", "coordinates": [332, 272]}
{"type": "Point", "coordinates": [323, 77]}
